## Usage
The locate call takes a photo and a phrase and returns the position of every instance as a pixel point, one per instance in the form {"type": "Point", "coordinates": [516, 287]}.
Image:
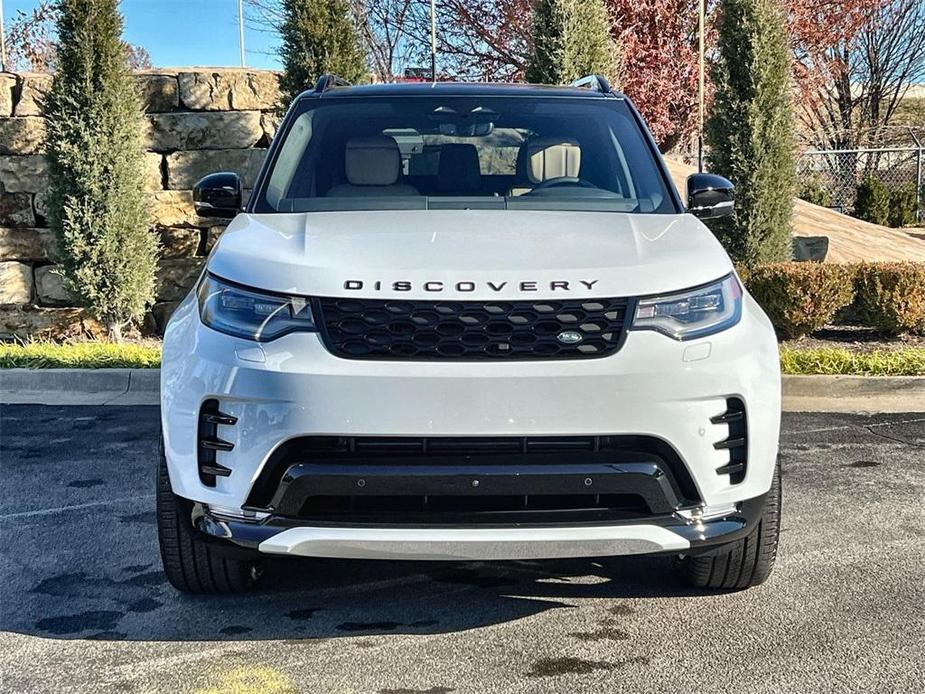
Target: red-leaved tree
{"type": "Point", "coordinates": [659, 45]}
{"type": "Point", "coordinates": [479, 39]}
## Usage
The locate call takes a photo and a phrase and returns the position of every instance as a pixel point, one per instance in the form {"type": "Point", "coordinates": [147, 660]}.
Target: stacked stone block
{"type": "Point", "coordinates": [197, 121]}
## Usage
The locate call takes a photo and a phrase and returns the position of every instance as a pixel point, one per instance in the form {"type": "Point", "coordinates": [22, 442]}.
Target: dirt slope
{"type": "Point", "coordinates": [850, 239]}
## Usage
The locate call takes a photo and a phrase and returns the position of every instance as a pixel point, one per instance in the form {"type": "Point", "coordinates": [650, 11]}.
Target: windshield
{"type": "Point", "coordinates": [463, 152]}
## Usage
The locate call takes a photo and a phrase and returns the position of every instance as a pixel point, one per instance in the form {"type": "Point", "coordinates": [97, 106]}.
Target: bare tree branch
{"type": "Point", "coordinates": [854, 62]}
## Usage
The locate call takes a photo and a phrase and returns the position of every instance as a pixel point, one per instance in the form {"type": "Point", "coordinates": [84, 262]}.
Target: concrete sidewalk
{"type": "Point", "coordinates": [141, 387]}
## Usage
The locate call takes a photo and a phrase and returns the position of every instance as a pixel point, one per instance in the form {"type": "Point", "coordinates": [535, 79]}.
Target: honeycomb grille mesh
{"type": "Point", "coordinates": [473, 330]}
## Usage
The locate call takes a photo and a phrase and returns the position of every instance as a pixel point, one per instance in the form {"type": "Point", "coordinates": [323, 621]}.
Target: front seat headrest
{"type": "Point", "coordinates": [552, 157]}
{"type": "Point", "coordinates": [372, 161]}
{"type": "Point", "coordinates": [458, 169]}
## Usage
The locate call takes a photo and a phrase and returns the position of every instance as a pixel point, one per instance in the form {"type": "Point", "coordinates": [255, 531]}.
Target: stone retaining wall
{"type": "Point", "coordinates": [197, 120]}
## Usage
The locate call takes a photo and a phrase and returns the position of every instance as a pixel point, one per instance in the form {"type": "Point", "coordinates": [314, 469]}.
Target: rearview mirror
{"type": "Point", "coordinates": [218, 195]}
{"type": "Point", "coordinates": [709, 196]}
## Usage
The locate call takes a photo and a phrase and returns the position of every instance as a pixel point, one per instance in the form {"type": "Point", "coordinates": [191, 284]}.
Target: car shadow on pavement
{"type": "Point", "coordinates": [313, 599]}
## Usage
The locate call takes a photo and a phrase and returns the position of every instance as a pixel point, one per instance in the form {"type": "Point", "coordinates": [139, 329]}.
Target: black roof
{"type": "Point", "coordinates": [458, 89]}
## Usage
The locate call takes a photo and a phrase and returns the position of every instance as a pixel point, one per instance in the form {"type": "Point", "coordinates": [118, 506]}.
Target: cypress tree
{"type": "Point", "coordinates": [750, 133]}
{"type": "Point", "coordinates": [319, 36]}
{"type": "Point", "coordinates": [96, 202]}
{"type": "Point", "coordinates": [571, 39]}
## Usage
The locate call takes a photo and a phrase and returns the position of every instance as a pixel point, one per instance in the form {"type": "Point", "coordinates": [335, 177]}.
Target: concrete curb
{"type": "Point", "coordinates": [837, 386]}
{"type": "Point", "coordinates": [80, 386]}
{"type": "Point", "coordinates": [854, 393]}
{"type": "Point", "coordinates": [142, 386]}
{"type": "Point", "coordinates": [80, 380]}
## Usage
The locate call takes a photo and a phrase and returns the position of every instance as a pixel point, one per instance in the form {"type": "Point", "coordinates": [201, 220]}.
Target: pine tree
{"type": "Point", "coordinates": [571, 39]}
{"type": "Point", "coordinates": [750, 133]}
{"type": "Point", "coordinates": [96, 201]}
{"type": "Point", "coordinates": [319, 36]}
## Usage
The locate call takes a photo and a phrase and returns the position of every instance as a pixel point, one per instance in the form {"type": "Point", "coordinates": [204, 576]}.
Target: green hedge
{"type": "Point", "coordinates": [801, 298]}
{"type": "Point", "coordinates": [891, 296]}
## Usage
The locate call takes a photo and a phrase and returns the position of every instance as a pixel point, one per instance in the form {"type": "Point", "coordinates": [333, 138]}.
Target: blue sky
{"type": "Point", "coordinates": [179, 33]}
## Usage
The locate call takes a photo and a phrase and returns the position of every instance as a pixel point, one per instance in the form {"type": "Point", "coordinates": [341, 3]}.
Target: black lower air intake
{"type": "Point", "coordinates": [736, 442]}
{"type": "Point", "coordinates": [209, 443]}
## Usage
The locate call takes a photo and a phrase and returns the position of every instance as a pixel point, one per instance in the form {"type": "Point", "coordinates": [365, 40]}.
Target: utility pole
{"type": "Point", "coordinates": [433, 41]}
{"type": "Point", "coordinates": [2, 41]}
{"type": "Point", "coordinates": [240, 28]}
{"type": "Point", "coordinates": [701, 12]}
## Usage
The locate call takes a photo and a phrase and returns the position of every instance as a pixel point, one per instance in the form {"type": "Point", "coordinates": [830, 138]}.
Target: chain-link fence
{"type": "Point", "coordinates": [831, 177]}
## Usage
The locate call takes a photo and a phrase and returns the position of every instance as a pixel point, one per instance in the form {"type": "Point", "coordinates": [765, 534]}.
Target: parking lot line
{"type": "Point", "coordinates": [76, 507]}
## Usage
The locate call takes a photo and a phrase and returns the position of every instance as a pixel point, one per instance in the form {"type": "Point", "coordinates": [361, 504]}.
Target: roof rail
{"type": "Point", "coordinates": [329, 80]}
{"type": "Point", "coordinates": [598, 83]}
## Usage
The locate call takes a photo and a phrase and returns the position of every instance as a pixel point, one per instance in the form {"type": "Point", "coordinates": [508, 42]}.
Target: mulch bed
{"type": "Point", "coordinates": [856, 339]}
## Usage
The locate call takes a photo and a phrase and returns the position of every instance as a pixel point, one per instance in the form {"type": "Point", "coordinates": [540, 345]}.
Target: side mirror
{"type": "Point", "coordinates": [218, 195]}
{"type": "Point", "coordinates": [709, 196]}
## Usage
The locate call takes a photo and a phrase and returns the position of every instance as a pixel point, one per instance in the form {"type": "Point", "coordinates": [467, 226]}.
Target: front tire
{"type": "Point", "coordinates": [743, 563]}
{"type": "Point", "coordinates": [192, 563]}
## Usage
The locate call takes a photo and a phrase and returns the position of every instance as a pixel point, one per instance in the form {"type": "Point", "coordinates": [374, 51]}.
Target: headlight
{"type": "Point", "coordinates": [250, 313]}
{"type": "Point", "coordinates": [692, 313]}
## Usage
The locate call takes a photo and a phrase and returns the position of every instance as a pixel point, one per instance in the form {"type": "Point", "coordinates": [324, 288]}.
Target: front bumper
{"type": "Point", "coordinates": [670, 533]}
{"type": "Point", "coordinates": [292, 388]}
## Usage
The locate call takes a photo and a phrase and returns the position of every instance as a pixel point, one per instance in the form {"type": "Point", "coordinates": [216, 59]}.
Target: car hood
{"type": "Point", "coordinates": [468, 254]}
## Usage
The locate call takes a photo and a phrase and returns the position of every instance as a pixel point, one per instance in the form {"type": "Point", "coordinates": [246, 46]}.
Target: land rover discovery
{"type": "Point", "coordinates": [467, 322]}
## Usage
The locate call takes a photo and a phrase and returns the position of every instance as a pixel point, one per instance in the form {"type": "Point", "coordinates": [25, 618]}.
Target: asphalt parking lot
{"type": "Point", "coordinates": [84, 606]}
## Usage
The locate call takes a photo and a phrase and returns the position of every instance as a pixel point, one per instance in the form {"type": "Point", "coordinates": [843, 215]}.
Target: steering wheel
{"type": "Point", "coordinates": [563, 181]}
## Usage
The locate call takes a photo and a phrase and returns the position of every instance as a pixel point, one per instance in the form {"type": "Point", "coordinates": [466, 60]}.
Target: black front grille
{"type": "Point", "coordinates": [474, 330]}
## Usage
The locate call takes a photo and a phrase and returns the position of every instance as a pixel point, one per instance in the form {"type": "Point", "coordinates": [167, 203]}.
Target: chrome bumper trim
{"type": "Point", "coordinates": [453, 544]}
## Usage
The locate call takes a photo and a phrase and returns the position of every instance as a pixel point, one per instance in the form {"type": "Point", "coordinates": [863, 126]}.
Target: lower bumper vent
{"type": "Point", "coordinates": [736, 442]}
{"type": "Point", "coordinates": [209, 443]}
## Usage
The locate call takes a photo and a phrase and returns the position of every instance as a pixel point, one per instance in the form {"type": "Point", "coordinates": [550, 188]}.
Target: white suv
{"type": "Point", "coordinates": [467, 321]}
